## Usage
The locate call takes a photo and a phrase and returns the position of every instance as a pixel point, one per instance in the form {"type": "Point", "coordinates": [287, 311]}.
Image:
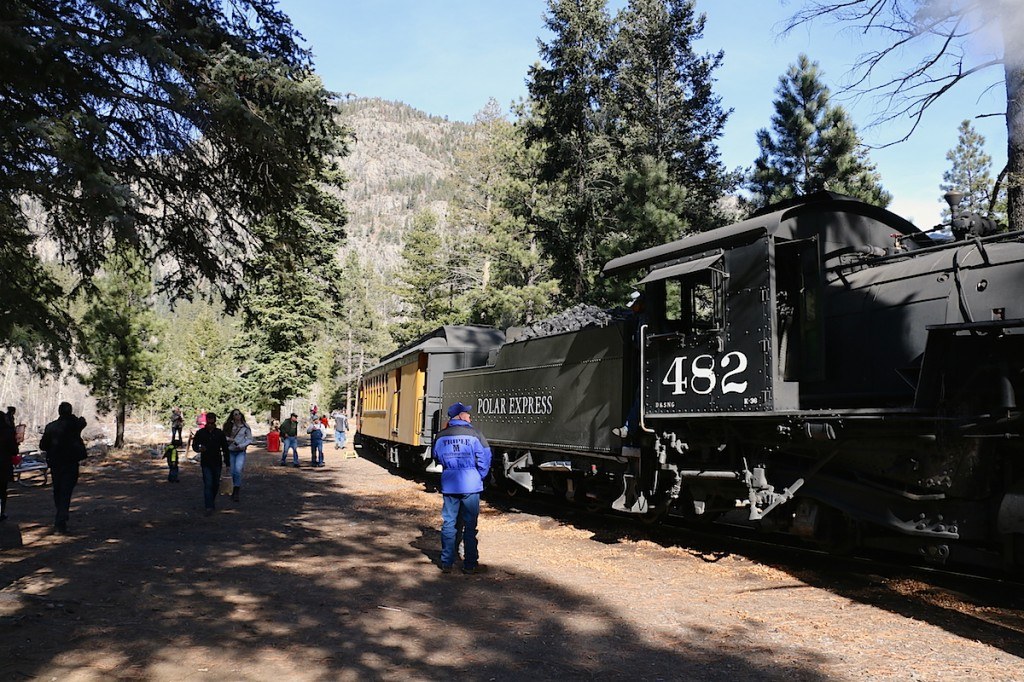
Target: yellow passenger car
{"type": "Point", "coordinates": [400, 398]}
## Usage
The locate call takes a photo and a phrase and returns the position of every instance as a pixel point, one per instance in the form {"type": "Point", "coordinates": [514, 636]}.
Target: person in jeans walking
{"type": "Point", "coordinates": [316, 443]}
{"type": "Point", "coordinates": [290, 438]}
{"type": "Point", "coordinates": [212, 447]}
{"type": "Point", "coordinates": [239, 437]}
{"type": "Point", "coordinates": [465, 459]}
{"type": "Point", "coordinates": [340, 427]}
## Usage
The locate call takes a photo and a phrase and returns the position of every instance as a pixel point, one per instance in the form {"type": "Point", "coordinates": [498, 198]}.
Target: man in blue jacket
{"type": "Point", "coordinates": [465, 459]}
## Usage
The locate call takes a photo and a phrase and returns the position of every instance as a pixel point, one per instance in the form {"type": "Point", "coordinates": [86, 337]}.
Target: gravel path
{"type": "Point", "coordinates": [330, 574]}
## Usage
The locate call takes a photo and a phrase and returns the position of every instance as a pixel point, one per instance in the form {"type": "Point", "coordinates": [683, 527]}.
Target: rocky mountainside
{"type": "Point", "coordinates": [401, 161]}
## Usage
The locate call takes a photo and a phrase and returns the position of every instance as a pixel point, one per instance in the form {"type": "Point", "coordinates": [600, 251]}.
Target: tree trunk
{"type": "Point", "coordinates": [348, 374]}
{"type": "Point", "coordinates": [1015, 144]}
{"type": "Point", "coordinates": [122, 409]}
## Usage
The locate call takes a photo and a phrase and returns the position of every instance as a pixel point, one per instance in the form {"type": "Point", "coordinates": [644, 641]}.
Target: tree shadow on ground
{"type": "Point", "coordinates": [305, 579]}
{"type": "Point", "coordinates": [880, 585]}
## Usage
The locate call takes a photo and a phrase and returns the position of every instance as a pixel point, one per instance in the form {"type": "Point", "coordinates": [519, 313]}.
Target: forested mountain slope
{"type": "Point", "coordinates": [401, 161]}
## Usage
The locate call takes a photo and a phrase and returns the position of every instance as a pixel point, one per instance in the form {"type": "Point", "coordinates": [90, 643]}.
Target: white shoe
{"type": "Point", "coordinates": [621, 431]}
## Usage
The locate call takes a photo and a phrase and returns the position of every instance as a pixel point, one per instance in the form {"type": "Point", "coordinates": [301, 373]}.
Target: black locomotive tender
{"type": "Point", "coordinates": [824, 369]}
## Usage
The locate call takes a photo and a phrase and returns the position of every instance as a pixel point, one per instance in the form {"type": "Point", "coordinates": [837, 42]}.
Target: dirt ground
{"type": "Point", "coordinates": [331, 574]}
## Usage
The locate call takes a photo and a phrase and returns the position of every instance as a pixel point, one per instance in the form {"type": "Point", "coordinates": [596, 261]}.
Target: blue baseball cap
{"type": "Point", "coordinates": [457, 409]}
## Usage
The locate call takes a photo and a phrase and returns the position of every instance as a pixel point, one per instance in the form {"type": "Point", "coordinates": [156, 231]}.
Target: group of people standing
{"type": "Point", "coordinates": [317, 430]}
{"type": "Point", "coordinates": [461, 450]}
{"type": "Point", "coordinates": [226, 446]}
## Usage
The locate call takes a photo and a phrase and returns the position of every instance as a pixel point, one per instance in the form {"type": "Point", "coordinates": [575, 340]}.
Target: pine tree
{"type": "Point", "coordinates": [174, 127]}
{"type": "Point", "coordinates": [618, 104]}
{"type": "Point", "coordinates": [358, 334]}
{"type": "Point", "coordinates": [503, 277]}
{"type": "Point", "coordinates": [423, 281]}
{"type": "Point", "coordinates": [276, 352]}
{"type": "Point", "coordinates": [812, 145]}
{"type": "Point", "coordinates": [970, 173]}
{"type": "Point", "coordinates": [117, 338]}
{"type": "Point", "coordinates": [568, 123]}
{"type": "Point", "coordinates": [666, 113]}
{"type": "Point", "coordinates": [198, 367]}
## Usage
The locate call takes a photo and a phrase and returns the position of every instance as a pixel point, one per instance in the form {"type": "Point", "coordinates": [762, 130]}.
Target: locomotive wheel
{"type": "Point", "coordinates": [656, 513]}
{"type": "Point", "coordinates": [510, 487]}
{"type": "Point", "coordinates": [838, 534]}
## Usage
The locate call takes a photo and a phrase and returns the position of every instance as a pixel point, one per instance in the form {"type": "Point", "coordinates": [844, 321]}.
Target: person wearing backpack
{"type": "Point", "coordinates": [65, 450]}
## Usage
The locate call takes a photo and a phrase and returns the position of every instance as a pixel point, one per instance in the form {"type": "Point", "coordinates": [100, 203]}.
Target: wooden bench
{"type": "Point", "coordinates": [32, 461]}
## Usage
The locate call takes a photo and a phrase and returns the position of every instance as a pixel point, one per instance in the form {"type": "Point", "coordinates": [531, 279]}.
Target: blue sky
{"type": "Point", "coordinates": [447, 57]}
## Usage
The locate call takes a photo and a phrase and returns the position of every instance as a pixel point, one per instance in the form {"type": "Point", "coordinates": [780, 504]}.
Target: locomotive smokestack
{"type": "Point", "coordinates": [953, 198]}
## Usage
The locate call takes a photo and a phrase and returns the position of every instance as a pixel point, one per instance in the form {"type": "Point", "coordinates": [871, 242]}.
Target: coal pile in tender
{"type": "Point", "coordinates": [574, 319]}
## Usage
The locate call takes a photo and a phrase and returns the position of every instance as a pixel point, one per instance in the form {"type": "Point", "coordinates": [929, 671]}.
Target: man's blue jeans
{"type": "Point", "coordinates": [237, 464]}
{"type": "Point", "coordinates": [464, 508]}
{"type": "Point", "coordinates": [293, 443]}
{"type": "Point", "coordinates": [211, 485]}
{"type": "Point", "coordinates": [339, 439]}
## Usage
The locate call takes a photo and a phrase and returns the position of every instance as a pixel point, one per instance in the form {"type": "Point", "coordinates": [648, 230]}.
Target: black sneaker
{"type": "Point", "coordinates": [281, 463]}
{"type": "Point", "coordinates": [446, 568]}
{"type": "Point", "coordinates": [479, 568]}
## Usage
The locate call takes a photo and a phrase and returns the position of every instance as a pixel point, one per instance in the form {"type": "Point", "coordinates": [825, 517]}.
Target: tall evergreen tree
{"type": "Point", "coordinates": [505, 280]}
{"type": "Point", "coordinates": [291, 290]}
{"type": "Point", "coordinates": [172, 126]}
{"type": "Point", "coordinates": [423, 282]}
{"type": "Point", "coordinates": [358, 333]}
{"type": "Point", "coordinates": [276, 350]}
{"type": "Point", "coordinates": [970, 173]}
{"type": "Point", "coordinates": [812, 145]}
{"type": "Point", "coordinates": [666, 113]}
{"type": "Point", "coordinates": [198, 366]}
{"type": "Point", "coordinates": [117, 338]}
{"type": "Point", "coordinates": [569, 94]}
{"type": "Point", "coordinates": [623, 111]}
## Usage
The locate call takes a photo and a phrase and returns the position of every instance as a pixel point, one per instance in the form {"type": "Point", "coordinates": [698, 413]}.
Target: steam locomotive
{"type": "Point", "coordinates": [824, 369]}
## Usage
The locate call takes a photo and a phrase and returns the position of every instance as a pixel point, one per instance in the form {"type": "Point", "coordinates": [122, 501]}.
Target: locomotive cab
{"type": "Point", "coordinates": [737, 314]}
